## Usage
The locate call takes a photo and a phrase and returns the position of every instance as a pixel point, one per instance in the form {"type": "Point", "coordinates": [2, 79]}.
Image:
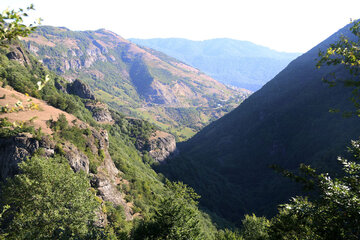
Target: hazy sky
{"type": "Point", "coordinates": [284, 25]}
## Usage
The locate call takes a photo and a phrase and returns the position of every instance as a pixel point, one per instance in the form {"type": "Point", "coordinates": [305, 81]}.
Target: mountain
{"type": "Point", "coordinates": [138, 81]}
{"type": "Point", "coordinates": [286, 122]}
{"type": "Point", "coordinates": [233, 62]}
{"type": "Point", "coordinates": [70, 167]}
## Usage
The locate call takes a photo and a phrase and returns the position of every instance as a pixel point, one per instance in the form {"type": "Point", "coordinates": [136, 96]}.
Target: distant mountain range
{"type": "Point", "coordinates": [286, 122]}
{"type": "Point", "coordinates": [138, 81]}
{"type": "Point", "coordinates": [239, 63]}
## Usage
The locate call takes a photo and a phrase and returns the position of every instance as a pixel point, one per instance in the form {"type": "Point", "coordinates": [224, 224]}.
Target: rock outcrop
{"type": "Point", "coordinates": [77, 159]}
{"type": "Point", "coordinates": [107, 177]}
{"type": "Point", "coordinates": [15, 149]}
{"type": "Point", "coordinates": [162, 145]}
{"type": "Point", "coordinates": [100, 112]}
{"type": "Point", "coordinates": [17, 54]}
{"type": "Point", "coordinates": [80, 89]}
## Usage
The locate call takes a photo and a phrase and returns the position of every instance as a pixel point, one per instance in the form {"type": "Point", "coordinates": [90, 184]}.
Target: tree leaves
{"type": "Point", "coordinates": [12, 26]}
{"type": "Point", "coordinates": [47, 200]}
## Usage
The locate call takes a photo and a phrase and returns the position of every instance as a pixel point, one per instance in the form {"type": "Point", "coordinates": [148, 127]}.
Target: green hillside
{"type": "Point", "coordinates": [39, 196]}
{"type": "Point", "coordinates": [139, 82]}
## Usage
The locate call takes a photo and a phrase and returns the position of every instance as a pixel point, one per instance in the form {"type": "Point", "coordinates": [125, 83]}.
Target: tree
{"type": "Point", "coordinates": [345, 52]}
{"type": "Point", "coordinates": [255, 228]}
{"type": "Point", "coordinates": [47, 201]}
{"type": "Point", "coordinates": [228, 235]}
{"type": "Point", "coordinates": [334, 215]}
{"type": "Point", "coordinates": [177, 217]}
{"type": "Point", "coordinates": [12, 26]}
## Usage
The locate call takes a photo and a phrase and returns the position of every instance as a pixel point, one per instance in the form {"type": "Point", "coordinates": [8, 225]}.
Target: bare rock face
{"type": "Point", "coordinates": [107, 178]}
{"type": "Point", "coordinates": [108, 191]}
{"type": "Point", "coordinates": [77, 160]}
{"type": "Point", "coordinates": [162, 145]}
{"type": "Point", "coordinates": [80, 89]}
{"type": "Point", "coordinates": [13, 150]}
{"type": "Point", "coordinates": [100, 112]}
{"type": "Point", "coordinates": [17, 54]}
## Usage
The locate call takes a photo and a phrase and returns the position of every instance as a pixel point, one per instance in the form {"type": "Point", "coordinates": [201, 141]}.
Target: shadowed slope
{"type": "Point", "coordinates": [287, 122]}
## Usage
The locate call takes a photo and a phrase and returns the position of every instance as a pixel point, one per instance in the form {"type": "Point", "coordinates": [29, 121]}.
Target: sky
{"type": "Point", "coordinates": [283, 25]}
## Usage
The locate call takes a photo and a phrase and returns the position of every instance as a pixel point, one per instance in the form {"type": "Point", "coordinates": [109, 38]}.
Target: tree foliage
{"type": "Point", "coordinates": [177, 217]}
{"type": "Point", "coordinates": [345, 52]}
{"type": "Point", "coordinates": [12, 25]}
{"type": "Point", "coordinates": [47, 201]}
{"type": "Point", "coordinates": [255, 228]}
{"type": "Point", "coordinates": [334, 215]}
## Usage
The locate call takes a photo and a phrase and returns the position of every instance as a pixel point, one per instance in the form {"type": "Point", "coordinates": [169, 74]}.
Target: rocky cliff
{"type": "Point", "coordinates": [80, 89]}
{"type": "Point", "coordinates": [15, 149]}
{"type": "Point", "coordinates": [161, 145]}
{"type": "Point", "coordinates": [100, 112]}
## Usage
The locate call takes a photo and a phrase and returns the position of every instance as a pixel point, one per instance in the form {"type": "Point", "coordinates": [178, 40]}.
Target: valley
{"type": "Point", "coordinates": [101, 138]}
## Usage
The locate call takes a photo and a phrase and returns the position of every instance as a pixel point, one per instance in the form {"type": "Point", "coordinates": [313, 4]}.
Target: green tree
{"type": "Point", "coordinates": [47, 201]}
{"type": "Point", "coordinates": [345, 52]}
{"type": "Point", "coordinates": [228, 235]}
{"type": "Point", "coordinates": [177, 217]}
{"type": "Point", "coordinates": [12, 25]}
{"type": "Point", "coordinates": [334, 215]}
{"type": "Point", "coordinates": [255, 228]}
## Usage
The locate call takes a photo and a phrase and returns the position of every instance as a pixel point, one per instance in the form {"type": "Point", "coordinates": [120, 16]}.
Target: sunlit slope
{"type": "Point", "coordinates": [138, 81]}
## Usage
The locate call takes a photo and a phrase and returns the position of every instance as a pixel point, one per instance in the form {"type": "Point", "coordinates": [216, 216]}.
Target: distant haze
{"type": "Point", "coordinates": [291, 26]}
{"type": "Point", "coordinates": [233, 62]}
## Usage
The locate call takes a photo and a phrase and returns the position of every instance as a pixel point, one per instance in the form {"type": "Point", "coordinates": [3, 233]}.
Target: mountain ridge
{"type": "Point", "coordinates": [139, 81]}
{"type": "Point", "coordinates": [235, 62]}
